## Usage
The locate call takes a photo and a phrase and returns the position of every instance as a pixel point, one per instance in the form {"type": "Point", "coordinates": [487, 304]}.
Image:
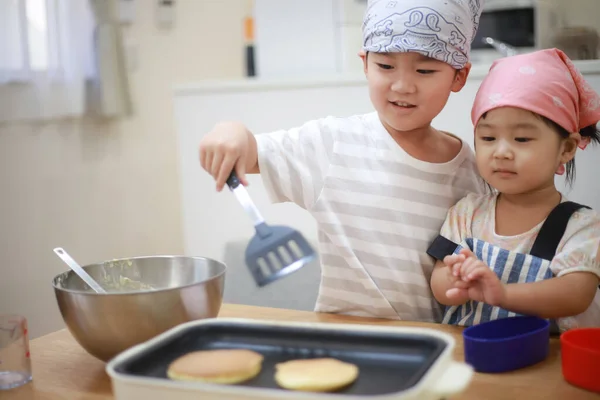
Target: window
{"type": "Point", "coordinates": [26, 42]}
{"type": "Point", "coordinates": [38, 39]}
{"type": "Point", "coordinates": [46, 55]}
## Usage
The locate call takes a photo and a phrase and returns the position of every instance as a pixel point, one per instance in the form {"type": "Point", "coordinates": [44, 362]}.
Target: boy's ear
{"type": "Point", "coordinates": [363, 56]}
{"type": "Point", "coordinates": [460, 79]}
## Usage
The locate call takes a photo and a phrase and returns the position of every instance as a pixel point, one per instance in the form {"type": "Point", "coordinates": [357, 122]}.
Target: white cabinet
{"type": "Point", "coordinates": [296, 38]}
{"type": "Point", "coordinates": [351, 12]}
{"type": "Point", "coordinates": [308, 37]}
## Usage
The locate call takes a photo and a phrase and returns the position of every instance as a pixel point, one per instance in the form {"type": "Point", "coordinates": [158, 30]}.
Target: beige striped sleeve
{"type": "Point", "coordinates": [579, 247]}
{"type": "Point", "coordinates": [293, 163]}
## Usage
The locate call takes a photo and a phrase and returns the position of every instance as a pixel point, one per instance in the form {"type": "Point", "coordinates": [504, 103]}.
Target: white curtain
{"type": "Point", "coordinates": [45, 58]}
{"type": "Point", "coordinates": [53, 62]}
{"type": "Point", "coordinates": [111, 96]}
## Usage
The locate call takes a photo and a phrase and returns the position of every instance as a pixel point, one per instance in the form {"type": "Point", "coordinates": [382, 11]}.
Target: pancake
{"type": "Point", "coordinates": [315, 375]}
{"type": "Point", "coordinates": [226, 366]}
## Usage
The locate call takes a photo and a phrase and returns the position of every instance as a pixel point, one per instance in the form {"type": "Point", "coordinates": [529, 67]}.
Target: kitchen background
{"type": "Point", "coordinates": [123, 183]}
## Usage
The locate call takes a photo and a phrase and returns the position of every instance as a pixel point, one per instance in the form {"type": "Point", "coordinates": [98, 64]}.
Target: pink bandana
{"type": "Point", "coordinates": [545, 82]}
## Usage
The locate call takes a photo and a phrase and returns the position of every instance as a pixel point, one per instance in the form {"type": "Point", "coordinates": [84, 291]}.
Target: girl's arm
{"type": "Point", "coordinates": [564, 296]}
{"type": "Point", "coordinates": [559, 297]}
{"type": "Point", "coordinates": [570, 293]}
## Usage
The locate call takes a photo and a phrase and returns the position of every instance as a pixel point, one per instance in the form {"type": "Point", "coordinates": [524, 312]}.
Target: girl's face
{"type": "Point", "coordinates": [517, 152]}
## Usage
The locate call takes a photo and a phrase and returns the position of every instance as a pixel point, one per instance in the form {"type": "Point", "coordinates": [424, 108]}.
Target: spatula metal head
{"type": "Point", "coordinates": [274, 251]}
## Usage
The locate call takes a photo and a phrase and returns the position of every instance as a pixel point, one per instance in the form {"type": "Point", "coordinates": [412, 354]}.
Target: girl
{"type": "Point", "coordinates": [524, 248]}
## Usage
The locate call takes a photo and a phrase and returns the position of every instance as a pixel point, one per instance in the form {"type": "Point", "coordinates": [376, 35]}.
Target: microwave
{"type": "Point", "coordinates": [526, 25]}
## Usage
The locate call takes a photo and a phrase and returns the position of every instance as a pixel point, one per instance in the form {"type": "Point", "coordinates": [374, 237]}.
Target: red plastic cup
{"type": "Point", "coordinates": [580, 352]}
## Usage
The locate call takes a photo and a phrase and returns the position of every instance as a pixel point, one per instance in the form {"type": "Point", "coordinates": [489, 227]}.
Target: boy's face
{"type": "Point", "coordinates": [409, 90]}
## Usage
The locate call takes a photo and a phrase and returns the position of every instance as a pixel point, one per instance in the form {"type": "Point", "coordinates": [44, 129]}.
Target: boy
{"type": "Point", "coordinates": [379, 185]}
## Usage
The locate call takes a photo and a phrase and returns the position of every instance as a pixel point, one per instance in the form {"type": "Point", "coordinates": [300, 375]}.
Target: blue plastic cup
{"type": "Point", "coordinates": [506, 344]}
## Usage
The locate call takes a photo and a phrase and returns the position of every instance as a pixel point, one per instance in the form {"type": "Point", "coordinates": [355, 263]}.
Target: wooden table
{"type": "Point", "coordinates": [63, 370]}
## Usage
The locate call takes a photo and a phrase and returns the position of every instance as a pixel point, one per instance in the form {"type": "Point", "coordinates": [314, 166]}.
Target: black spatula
{"type": "Point", "coordinates": [275, 251]}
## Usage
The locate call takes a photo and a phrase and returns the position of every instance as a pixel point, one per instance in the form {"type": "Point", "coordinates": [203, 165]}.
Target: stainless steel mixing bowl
{"type": "Point", "coordinates": [182, 289]}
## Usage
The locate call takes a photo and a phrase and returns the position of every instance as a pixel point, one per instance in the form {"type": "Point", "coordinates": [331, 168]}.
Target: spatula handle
{"type": "Point", "coordinates": [244, 198]}
{"type": "Point", "coordinates": [233, 181]}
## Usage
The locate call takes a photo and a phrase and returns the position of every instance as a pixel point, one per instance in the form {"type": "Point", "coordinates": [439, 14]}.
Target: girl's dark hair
{"type": "Point", "coordinates": [590, 131]}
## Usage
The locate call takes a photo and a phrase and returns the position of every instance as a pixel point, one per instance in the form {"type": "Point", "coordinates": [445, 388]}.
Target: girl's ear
{"type": "Point", "coordinates": [570, 145]}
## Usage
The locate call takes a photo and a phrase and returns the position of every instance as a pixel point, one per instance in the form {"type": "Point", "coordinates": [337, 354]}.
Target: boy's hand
{"type": "Point", "coordinates": [475, 279]}
{"type": "Point", "coordinates": [225, 148]}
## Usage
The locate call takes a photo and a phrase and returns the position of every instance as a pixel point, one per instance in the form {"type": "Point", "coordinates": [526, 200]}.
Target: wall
{"type": "Point", "coordinates": [107, 190]}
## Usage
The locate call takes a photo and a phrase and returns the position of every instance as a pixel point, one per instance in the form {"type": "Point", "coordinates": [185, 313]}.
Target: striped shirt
{"type": "Point", "coordinates": [377, 210]}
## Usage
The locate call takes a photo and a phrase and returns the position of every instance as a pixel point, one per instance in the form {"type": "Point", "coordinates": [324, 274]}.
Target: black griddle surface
{"type": "Point", "coordinates": [388, 363]}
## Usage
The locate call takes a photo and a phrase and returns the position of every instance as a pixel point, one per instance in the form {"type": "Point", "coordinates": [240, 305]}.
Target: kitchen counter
{"type": "Point", "coordinates": [477, 73]}
{"type": "Point", "coordinates": [63, 370]}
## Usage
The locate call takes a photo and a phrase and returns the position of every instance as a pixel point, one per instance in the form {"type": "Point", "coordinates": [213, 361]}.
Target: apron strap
{"type": "Point", "coordinates": [553, 229]}
{"type": "Point", "coordinates": [441, 247]}
{"type": "Point", "coordinates": [545, 244]}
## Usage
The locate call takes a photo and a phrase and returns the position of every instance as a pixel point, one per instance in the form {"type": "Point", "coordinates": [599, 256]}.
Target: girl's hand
{"type": "Point", "coordinates": [459, 293]}
{"type": "Point", "coordinates": [454, 261]}
{"type": "Point", "coordinates": [476, 281]}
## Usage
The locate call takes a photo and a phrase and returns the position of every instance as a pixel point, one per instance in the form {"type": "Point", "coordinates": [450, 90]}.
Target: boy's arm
{"type": "Point", "coordinates": [559, 297]}
{"type": "Point", "coordinates": [294, 163]}
{"type": "Point", "coordinates": [252, 166]}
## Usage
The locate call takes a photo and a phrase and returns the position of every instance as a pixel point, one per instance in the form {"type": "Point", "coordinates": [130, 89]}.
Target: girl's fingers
{"type": "Point", "coordinates": [456, 294]}
{"type": "Point", "coordinates": [453, 259]}
{"type": "Point", "coordinates": [465, 267]}
{"type": "Point", "coordinates": [456, 269]}
{"type": "Point", "coordinates": [478, 272]}
{"type": "Point", "coordinates": [460, 284]}
{"type": "Point", "coordinates": [467, 253]}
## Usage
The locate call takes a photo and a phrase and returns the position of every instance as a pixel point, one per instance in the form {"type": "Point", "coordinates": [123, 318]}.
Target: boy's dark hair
{"type": "Point", "coordinates": [591, 132]}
